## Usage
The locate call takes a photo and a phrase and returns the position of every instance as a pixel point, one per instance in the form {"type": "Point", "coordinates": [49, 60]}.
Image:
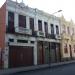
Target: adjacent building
{"type": "Point", "coordinates": [31, 37]}
{"type": "Point", "coordinates": [67, 39]}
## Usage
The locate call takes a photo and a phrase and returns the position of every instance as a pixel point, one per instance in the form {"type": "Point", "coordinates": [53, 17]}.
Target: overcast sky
{"type": "Point", "coordinates": [51, 6]}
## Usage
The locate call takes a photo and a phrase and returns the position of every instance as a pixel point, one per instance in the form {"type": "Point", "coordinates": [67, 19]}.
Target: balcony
{"type": "Point", "coordinates": [73, 37]}
{"type": "Point", "coordinates": [40, 34]}
{"type": "Point", "coordinates": [58, 37]}
{"type": "Point", "coordinates": [52, 36]}
{"type": "Point", "coordinates": [23, 30]}
{"type": "Point", "coordinates": [47, 35]}
{"type": "Point", "coordinates": [10, 29]}
{"type": "Point", "coordinates": [65, 36]}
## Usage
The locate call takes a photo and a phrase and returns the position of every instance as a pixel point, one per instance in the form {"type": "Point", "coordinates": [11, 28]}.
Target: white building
{"type": "Point", "coordinates": [32, 36]}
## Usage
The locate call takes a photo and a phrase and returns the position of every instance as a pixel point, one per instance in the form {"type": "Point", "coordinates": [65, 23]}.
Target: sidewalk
{"type": "Point", "coordinates": [22, 69]}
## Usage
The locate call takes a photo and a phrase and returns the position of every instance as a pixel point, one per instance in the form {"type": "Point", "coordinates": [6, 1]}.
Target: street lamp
{"type": "Point", "coordinates": [57, 12]}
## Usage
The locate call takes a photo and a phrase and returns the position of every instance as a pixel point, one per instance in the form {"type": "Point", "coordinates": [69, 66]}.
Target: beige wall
{"type": "Point", "coordinates": [67, 38]}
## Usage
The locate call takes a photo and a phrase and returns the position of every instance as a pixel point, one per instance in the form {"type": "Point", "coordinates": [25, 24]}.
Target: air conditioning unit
{"type": "Point", "coordinates": [40, 33]}
{"type": "Point", "coordinates": [58, 37]}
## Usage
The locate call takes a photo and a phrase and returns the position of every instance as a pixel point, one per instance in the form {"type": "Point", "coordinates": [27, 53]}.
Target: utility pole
{"type": "Point", "coordinates": [50, 43]}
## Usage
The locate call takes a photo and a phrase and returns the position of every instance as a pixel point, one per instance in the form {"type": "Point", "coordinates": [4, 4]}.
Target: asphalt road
{"type": "Point", "coordinates": [62, 70]}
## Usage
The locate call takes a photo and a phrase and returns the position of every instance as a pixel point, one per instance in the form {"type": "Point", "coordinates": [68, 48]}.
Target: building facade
{"type": "Point", "coordinates": [67, 39]}
{"type": "Point", "coordinates": [31, 37]}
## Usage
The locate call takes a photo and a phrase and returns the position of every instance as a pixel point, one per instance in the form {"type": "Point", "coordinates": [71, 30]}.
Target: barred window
{"type": "Point", "coordinates": [40, 25]}
{"type": "Point", "coordinates": [22, 21]}
{"type": "Point", "coordinates": [52, 29]}
{"type": "Point", "coordinates": [11, 21]}
{"type": "Point", "coordinates": [57, 29]}
{"type": "Point", "coordinates": [65, 48]}
{"type": "Point", "coordinates": [31, 21]}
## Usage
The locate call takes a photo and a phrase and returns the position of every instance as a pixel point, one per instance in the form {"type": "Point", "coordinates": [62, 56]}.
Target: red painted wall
{"type": "Point", "coordinates": [2, 29]}
{"type": "Point", "coordinates": [2, 25]}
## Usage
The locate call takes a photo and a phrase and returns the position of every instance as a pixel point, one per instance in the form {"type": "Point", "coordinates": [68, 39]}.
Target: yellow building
{"type": "Point", "coordinates": [73, 39]}
{"type": "Point", "coordinates": [67, 39]}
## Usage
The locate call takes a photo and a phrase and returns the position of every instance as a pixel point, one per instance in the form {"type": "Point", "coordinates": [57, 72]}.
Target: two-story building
{"type": "Point", "coordinates": [67, 39]}
{"type": "Point", "coordinates": [28, 36]}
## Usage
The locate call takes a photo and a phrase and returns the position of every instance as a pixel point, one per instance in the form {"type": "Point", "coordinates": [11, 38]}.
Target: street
{"type": "Point", "coordinates": [62, 70]}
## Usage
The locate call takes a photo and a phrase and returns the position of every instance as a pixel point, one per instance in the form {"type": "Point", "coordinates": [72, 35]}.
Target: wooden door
{"type": "Point", "coordinates": [70, 51]}
{"type": "Point", "coordinates": [52, 52]}
{"type": "Point", "coordinates": [58, 53]}
{"type": "Point", "coordinates": [20, 56]}
{"type": "Point", "coordinates": [40, 53]}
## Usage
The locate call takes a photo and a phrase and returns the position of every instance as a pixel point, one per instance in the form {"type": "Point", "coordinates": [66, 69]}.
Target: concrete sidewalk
{"type": "Point", "coordinates": [22, 69]}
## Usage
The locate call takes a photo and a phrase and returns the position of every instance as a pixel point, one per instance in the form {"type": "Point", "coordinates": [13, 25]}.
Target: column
{"type": "Point", "coordinates": [16, 22]}
{"type": "Point", "coordinates": [6, 57]}
{"type": "Point", "coordinates": [59, 29]}
{"type": "Point", "coordinates": [35, 53]}
{"type": "Point", "coordinates": [54, 28]}
{"type": "Point", "coordinates": [27, 22]}
{"type": "Point", "coordinates": [6, 17]}
{"type": "Point", "coordinates": [53, 21]}
{"type": "Point", "coordinates": [49, 28]}
{"type": "Point", "coordinates": [36, 23]}
{"type": "Point", "coordinates": [43, 28]}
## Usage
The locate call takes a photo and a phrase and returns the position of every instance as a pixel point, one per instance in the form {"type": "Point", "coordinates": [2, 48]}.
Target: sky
{"type": "Point", "coordinates": [51, 6]}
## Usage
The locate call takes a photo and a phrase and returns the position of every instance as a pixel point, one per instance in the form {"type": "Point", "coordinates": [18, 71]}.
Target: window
{"type": "Point", "coordinates": [22, 21]}
{"type": "Point", "coordinates": [65, 48]}
{"type": "Point", "coordinates": [52, 29]}
{"type": "Point", "coordinates": [46, 27]}
{"type": "Point", "coordinates": [31, 20]}
{"type": "Point", "coordinates": [32, 42]}
{"type": "Point", "coordinates": [22, 41]}
{"type": "Point", "coordinates": [11, 40]}
{"type": "Point", "coordinates": [11, 21]}
{"type": "Point", "coordinates": [11, 16]}
{"type": "Point", "coordinates": [57, 30]}
{"type": "Point", "coordinates": [68, 30]}
{"type": "Point", "coordinates": [74, 48]}
{"type": "Point", "coordinates": [40, 25]}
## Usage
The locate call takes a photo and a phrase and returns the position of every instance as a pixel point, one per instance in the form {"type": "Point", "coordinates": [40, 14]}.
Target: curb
{"type": "Point", "coordinates": [32, 68]}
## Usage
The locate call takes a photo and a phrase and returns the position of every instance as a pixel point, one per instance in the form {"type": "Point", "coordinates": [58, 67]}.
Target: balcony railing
{"type": "Point", "coordinates": [10, 29]}
{"type": "Point", "coordinates": [23, 30]}
{"type": "Point", "coordinates": [47, 35]}
{"type": "Point", "coordinates": [65, 36]}
{"type": "Point", "coordinates": [52, 36]}
{"type": "Point", "coordinates": [73, 37]}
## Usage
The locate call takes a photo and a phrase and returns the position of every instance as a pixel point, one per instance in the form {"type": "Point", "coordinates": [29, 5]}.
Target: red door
{"type": "Point", "coordinates": [40, 53]}
{"type": "Point", "coordinates": [70, 51]}
{"type": "Point", "coordinates": [20, 56]}
{"type": "Point", "coordinates": [41, 56]}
